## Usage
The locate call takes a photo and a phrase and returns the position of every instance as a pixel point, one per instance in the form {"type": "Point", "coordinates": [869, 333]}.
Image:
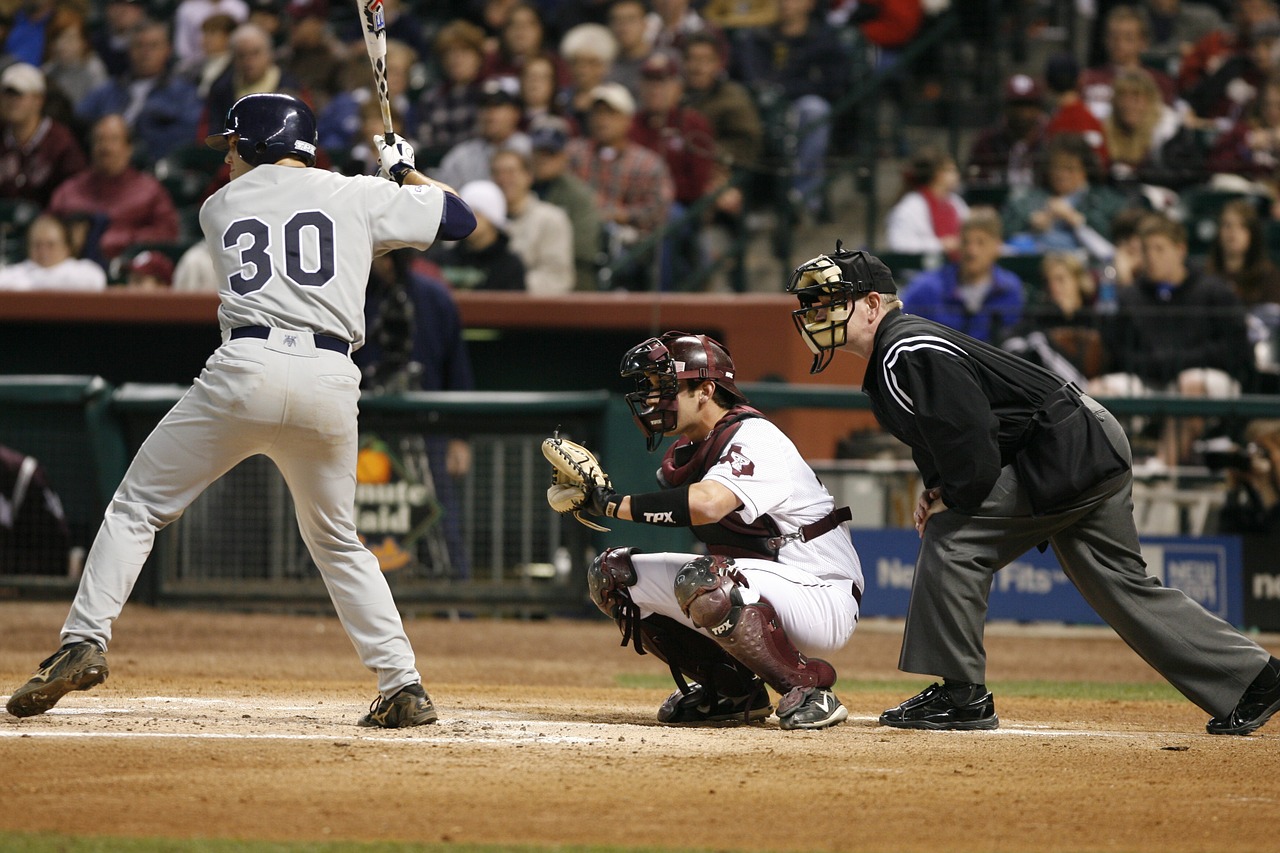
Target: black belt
{"type": "Point", "coordinates": [328, 342]}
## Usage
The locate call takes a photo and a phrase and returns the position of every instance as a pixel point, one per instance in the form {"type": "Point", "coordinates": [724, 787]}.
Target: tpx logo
{"type": "Point", "coordinates": [1266, 586]}
{"type": "Point", "coordinates": [660, 517]}
{"type": "Point", "coordinates": [739, 464]}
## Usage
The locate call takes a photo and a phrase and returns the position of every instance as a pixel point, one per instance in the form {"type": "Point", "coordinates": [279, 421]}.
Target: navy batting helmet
{"type": "Point", "coordinates": [270, 127]}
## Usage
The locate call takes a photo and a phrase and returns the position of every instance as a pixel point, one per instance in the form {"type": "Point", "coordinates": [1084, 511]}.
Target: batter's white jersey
{"type": "Point", "coordinates": [292, 247]}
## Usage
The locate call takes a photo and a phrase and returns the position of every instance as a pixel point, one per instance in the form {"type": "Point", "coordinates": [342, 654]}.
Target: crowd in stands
{"type": "Point", "coordinates": [1125, 191]}
{"type": "Point", "coordinates": [1134, 198]}
{"type": "Point", "coordinates": [643, 111]}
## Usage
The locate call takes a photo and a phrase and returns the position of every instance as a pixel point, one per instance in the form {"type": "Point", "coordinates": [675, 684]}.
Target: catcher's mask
{"type": "Point", "coordinates": [827, 286]}
{"type": "Point", "coordinates": [659, 364]}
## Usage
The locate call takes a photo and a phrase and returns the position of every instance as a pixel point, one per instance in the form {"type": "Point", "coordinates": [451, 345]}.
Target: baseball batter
{"type": "Point", "coordinates": [781, 579]}
{"type": "Point", "coordinates": [292, 248]}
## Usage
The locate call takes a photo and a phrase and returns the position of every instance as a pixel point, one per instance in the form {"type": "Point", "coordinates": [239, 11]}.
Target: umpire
{"type": "Point", "coordinates": [1011, 458]}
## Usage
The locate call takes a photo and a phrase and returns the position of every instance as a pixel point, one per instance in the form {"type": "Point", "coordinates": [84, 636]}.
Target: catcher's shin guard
{"type": "Point", "coordinates": [715, 596]}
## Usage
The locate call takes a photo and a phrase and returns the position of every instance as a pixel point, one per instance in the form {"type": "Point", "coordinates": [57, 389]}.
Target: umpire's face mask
{"type": "Point", "coordinates": [823, 322]}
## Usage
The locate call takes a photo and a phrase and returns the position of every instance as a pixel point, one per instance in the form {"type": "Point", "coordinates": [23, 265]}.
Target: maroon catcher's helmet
{"type": "Point", "coordinates": [671, 357]}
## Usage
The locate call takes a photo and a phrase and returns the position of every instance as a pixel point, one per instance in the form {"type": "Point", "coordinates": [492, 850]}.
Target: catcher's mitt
{"type": "Point", "coordinates": [574, 472]}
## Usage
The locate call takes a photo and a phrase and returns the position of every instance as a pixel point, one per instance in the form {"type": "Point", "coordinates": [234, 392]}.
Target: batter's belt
{"type": "Point", "coordinates": [328, 342]}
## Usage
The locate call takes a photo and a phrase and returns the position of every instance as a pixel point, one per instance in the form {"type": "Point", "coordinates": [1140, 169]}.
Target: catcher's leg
{"type": "Point", "coordinates": [716, 597]}
{"type": "Point", "coordinates": [724, 689]}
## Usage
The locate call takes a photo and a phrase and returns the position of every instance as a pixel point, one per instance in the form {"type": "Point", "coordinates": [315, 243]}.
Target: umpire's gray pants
{"type": "Point", "coordinates": [1096, 541]}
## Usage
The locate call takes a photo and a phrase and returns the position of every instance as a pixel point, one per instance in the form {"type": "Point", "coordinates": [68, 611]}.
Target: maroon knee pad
{"type": "Point", "coordinates": [710, 592]}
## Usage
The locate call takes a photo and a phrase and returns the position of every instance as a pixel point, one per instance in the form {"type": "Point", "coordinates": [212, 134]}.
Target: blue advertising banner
{"type": "Point", "coordinates": [1033, 587]}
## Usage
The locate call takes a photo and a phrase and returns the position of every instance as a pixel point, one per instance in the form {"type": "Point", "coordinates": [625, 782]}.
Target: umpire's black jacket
{"type": "Point", "coordinates": [963, 407]}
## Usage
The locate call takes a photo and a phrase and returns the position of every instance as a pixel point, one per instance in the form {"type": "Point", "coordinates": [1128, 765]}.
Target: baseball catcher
{"type": "Point", "coordinates": [780, 580]}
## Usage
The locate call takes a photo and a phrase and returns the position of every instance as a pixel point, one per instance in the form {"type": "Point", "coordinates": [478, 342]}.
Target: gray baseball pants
{"type": "Point", "coordinates": [1096, 542]}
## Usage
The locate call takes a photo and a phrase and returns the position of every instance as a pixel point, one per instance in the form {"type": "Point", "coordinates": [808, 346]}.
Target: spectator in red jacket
{"type": "Point", "coordinates": [137, 208]}
{"type": "Point", "coordinates": [1070, 114]}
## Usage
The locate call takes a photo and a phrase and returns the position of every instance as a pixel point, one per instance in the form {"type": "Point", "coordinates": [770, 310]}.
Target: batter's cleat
{"type": "Point", "coordinates": [945, 708]}
{"type": "Point", "coordinates": [700, 707]}
{"type": "Point", "coordinates": [1255, 707]}
{"type": "Point", "coordinates": [810, 708]}
{"type": "Point", "coordinates": [411, 706]}
{"type": "Point", "coordinates": [75, 666]}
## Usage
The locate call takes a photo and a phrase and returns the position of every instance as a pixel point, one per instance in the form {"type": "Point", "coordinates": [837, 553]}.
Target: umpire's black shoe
{"type": "Point", "coordinates": [1256, 706]}
{"type": "Point", "coordinates": [951, 708]}
{"type": "Point", "coordinates": [75, 666]}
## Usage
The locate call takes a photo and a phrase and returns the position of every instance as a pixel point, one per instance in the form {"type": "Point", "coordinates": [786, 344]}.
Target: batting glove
{"type": "Point", "coordinates": [396, 158]}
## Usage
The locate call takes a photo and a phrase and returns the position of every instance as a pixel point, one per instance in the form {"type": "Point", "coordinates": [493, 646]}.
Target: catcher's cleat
{"type": "Point", "coordinates": [411, 706]}
{"type": "Point", "coordinates": [699, 707]}
{"type": "Point", "coordinates": [75, 666]}
{"type": "Point", "coordinates": [811, 708]}
{"type": "Point", "coordinates": [938, 708]}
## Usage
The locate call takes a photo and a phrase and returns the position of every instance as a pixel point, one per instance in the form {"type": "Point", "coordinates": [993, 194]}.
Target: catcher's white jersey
{"type": "Point", "coordinates": [765, 470]}
{"type": "Point", "coordinates": [292, 247]}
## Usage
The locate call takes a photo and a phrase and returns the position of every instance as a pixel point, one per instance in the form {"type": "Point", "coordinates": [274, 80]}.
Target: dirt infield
{"type": "Point", "coordinates": [243, 726]}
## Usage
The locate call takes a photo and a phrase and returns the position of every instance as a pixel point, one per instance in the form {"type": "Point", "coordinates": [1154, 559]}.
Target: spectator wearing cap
{"type": "Point", "coordinates": [1004, 155]}
{"type": "Point", "coordinates": [72, 67]}
{"type": "Point", "coordinates": [161, 109]}
{"type": "Point", "coordinates": [50, 263]}
{"type": "Point", "coordinates": [589, 50]}
{"type": "Point", "coordinates": [149, 270]}
{"type": "Point", "coordinates": [137, 209]}
{"type": "Point", "coordinates": [340, 126]}
{"type": "Point", "coordinates": [215, 54]}
{"type": "Point", "coordinates": [1126, 42]}
{"type": "Point", "coordinates": [798, 65]}
{"type": "Point", "coordinates": [314, 56]}
{"type": "Point", "coordinates": [633, 186]}
{"type": "Point", "coordinates": [683, 138]}
{"type": "Point", "coordinates": [36, 152]}
{"type": "Point", "coordinates": [449, 110]}
{"type": "Point", "coordinates": [523, 38]}
{"type": "Point", "coordinates": [497, 129]}
{"type": "Point", "coordinates": [253, 69]}
{"type": "Point", "coordinates": [191, 14]}
{"type": "Point", "coordinates": [111, 39]}
{"type": "Point", "coordinates": [556, 184]}
{"type": "Point", "coordinates": [1069, 113]}
{"type": "Point", "coordinates": [629, 22]}
{"type": "Point", "coordinates": [484, 259]}
{"type": "Point", "coordinates": [541, 234]}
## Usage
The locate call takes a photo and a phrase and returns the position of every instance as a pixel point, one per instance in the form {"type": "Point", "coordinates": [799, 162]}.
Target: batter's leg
{"type": "Point", "coordinates": [193, 445]}
{"type": "Point", "coordinates": [321, 477]}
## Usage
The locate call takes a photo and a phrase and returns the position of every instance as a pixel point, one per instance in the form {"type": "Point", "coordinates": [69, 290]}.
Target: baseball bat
{"type": "Point", "coordinates": [375, 43]}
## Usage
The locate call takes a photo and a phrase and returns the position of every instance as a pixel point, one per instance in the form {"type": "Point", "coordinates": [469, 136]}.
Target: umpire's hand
{"type": "Point", "coordinates": [929, 503]}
